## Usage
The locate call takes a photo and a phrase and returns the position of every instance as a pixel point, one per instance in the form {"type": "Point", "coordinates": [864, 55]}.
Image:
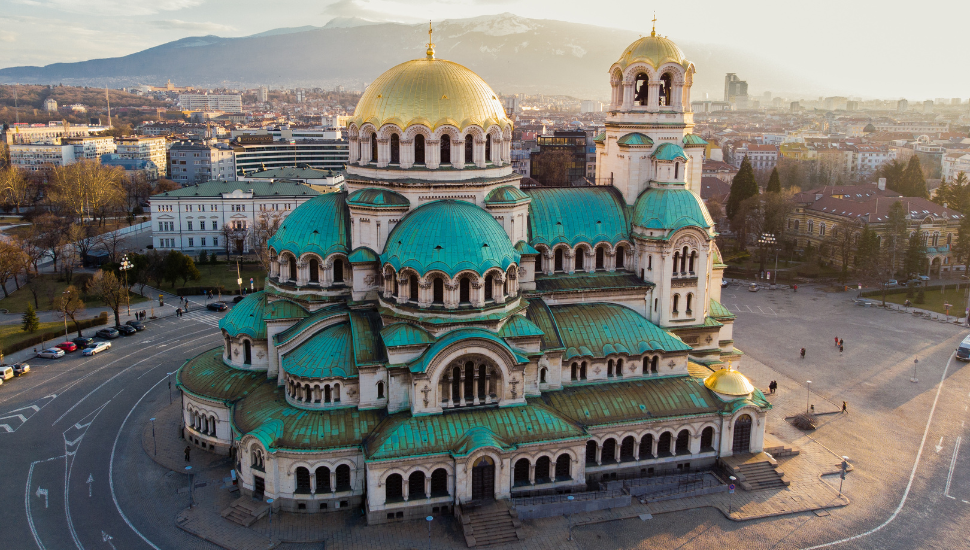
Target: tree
{"type": "Point", "coordinates": [17, 189]}
{"type": "Point", "coordinates": [69, 303]}
{"type": "Point", "coordinates": [915, 262]}
{"type": "Point", "coordinates": [551, 167]}
{"type": "Point", "coordinates": [264, 227]}
{"type": "Point", "coordinates": [30, 322]}
{"type": "Point", "coordinates": [49, 234]}
{"type": "Point", "coordinates": [106, 286]}
{"type": "Point", "coordinates": [914, 182]}
{"type": "Point", "coordinates": [961, 250]}
{"type": "Point", "coordinates": [896, 228]}
{"type": "Point", "coordinates": [776, 209]}
{"type": "Point", "coordinates": [11, 263]}
{"type": "Point", "coordinates": [774, 182]}
{"type": "Point", "coordinates": [893, 172]}
{"type": "Point", "coordinates": [743, 186]}
{"type": "Point", "coordinates": [842, 240]}
{"type": "Point", "coordinates": [179, 266]}
{"type": "Point", "coordinates": [748, 219]}
{"type": "Point", "coordinates": [86, 189]}
{"type": "Point", "coordinates": [165, 185]}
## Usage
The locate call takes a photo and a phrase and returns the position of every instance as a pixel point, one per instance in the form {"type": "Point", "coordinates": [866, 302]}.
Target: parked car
{"type": "Point", "coordinates": [107, 333]}
{"type": "Point", "coordinates": [96, 348]}
{"type": "Point", "coordinates": [83, 341]}
{"type": "Point", "coordinates": [137, 325]}
{"type": "Point", "coordinates": [924, 278]}
{"type": "Point", "coordinates": [892, 282]}
{"type": "Point", "coordinates": [126, 330]}
{"type": "Point", "coordinates": [6, 372]}
{"type": "Point", "coordinates": [68, 347]}
{"type": "Point", "coordinates": [753, 287]}
{"type": "Point", "coordinates": [724, 283]}
{"type": "Point", "coordinates": [217, 306]}
{"type": "Point", "coordinates": [238, 299]}
{"type": "Point", "coordinates": [51, 353]}
{"type": "Point", "coordinates": [20, 369]}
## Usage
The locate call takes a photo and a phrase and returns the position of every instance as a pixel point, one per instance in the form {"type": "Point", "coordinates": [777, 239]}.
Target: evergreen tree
{"type": "Point", "coordinates": [774, 182]}
{"type": "Point", "coordinates": [961, 250]}
{"type": "Point", "coordinates": [913, 181]}
{"type": "Point", "coordinates": [895, 234]}
{"type": "Point", "coordinates": [30, 320]}
{"type": "Point", "coordinates": [743, 186]}
{"type": "Point", "coordinates": [915, 261]}
{"type": "Point", "coordinates": [893, 172]}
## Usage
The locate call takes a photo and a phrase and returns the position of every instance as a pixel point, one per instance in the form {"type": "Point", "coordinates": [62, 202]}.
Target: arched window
{"type": "Point", "coordinates": [649, 263]}
{"type": "Point", "coordinates": [821, 229]}
{"type": "Point", "coordinates": [520, 472]}
{"type": "Point", "coordinates": [796, 226]}
{"type": "Point", "coordinates": [395, 149]}
{"type": "Point", "coordinates": [464, 290]}
{"type": "Point", "coordinates": [653, 365]}
{"type": "Point", "coordinates": [590, 452]}
{"type": "Point", "coordinates": [626, 448]}
{"type": "Point", "coordinates": [641, 92]}
{"type": "Point", "coordinates": [228, 346]}
{"type": "Point", "coordinates": [338, 270]}
{"type": "Point", "coordinates": [578, 262]}
{"type": "Point", "coordinates": [439, 483]}
{"type": "Point", "coordinates": [645, 368]}
{"type": "Point", "coordinates": [327, 394]}
{"type": "Point", "coordinates": [690, 265]}
{"type": "Point", "coordinates": [742, 435]}
{"type": "Point", "coordinates": [683, 443]}
{"type": "Point", "coordinates": [456, 385]}
{"type": "Point", "coordinates": [646, 447]}
{"type": "Point", "coordinates": [438, 291]}
{"type": "Point", "coordinates": [609, 451]}
{"type": "Point", "coordinates": [557, 260]}
{"type": "Point", "coordinates": [469, 143]}
{"type": "Point", "coordinates": [620, 257]}
{"type": "Point", "coordinates": [419, 149]}
{"type": "Point", "coordinates": [690, 299]}
{"type": "Point", "coordinates": [599, 258]}
{"type": "Point", "coordinates": [562, 467]}
{"type": "Point", "coordinates": [343, 477]}
{"type": "Point", "coordinates": [488, 148]}
{"type": "Point", "coordinates": [543, 470]}
{"type": "Point", "coordinates": [482, 378]}
{"type": "Point", "coordinates": [619, 367]}
{"type": "Point", "coordinates": [542, 375]}
{"type": "Point", "coordinates": [380, 390]}
{"type": "Point", "coordinates": [707, 439]}
{"type": "Point", "coordinates": [397, 290]}
{"type": "Point", "coordinates": [676, 302]}
{"type": "Point", "coordinates": [416, 485]}
{"type": "Point", "coordinates": [609, 368]}
{"type": "Point", "coordinates": [574, 372]}
{"type": "Point", "coordinates": [314, 270]}
{"type": "Point", "coordinates": [394, 488]}
{"type": "Point", "coordinates": [811, 226]}
{"type": "Point", "coordinates": [302, 481]}
{"type": "Point", "coordinates": [323, 480]}
{"type": "Point", "coordinates": [676, 261]}
{"type": "Point", "coordinates": [247, 353]}
{"type": "Point", "coordinates": [445, 149]}
{"type": "Point", "coordinates": [665, 89]}
{"type": "Point", "coordinates": [336, 393]}
{"type": "Point", "coordinates": [582, 371]}
{"type": "Point", "coordinates": [489, 284]}
{"type": "Point", "coordinates": [469, 381]}
{"type": "Point", "coordinates": [683, 260]}
{"type": "Point", "coordinates": [663, 444]}
{"type": "Point", "coordinates": [373, 147]}
{"type": "Point", "coordinates": [292, 268]}
{"type": "Point", "coordinates": [949, 239]}
{"type": "Point", "coordinates": [676, 170]}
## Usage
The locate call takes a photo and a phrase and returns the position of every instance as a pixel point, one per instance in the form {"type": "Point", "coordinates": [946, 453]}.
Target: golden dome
{"type": "Point", "coordinates": [729, 382]}
{"type": "Point", "coordinates": [432, 92]}
{"type": "Point", "coordinates": [654, 50]}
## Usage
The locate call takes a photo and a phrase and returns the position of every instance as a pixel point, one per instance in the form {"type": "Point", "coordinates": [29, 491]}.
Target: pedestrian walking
{"type": "Point", "coordinates": [841, 342]}
{"type": "Point", "coordinates": [844, 407]}
{"type": "Point", "coordinates": [803, 353]}
{"type": "Point", "coordinates": [178, 312]}
{"type": "Point", "coordinates": [841, 349]}
{"type": "Point", "coordinates": [188, 449]}
{"type": "Point", "coordinates": [836, 341]}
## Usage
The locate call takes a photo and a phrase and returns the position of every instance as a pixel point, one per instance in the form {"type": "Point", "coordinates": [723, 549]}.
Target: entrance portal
{"type": "Point", "coordinates": [483, 479]}
{"type": "Point", "coordinates": [742, 435]}
{"type": "Point", "coordinates": [259, 486]}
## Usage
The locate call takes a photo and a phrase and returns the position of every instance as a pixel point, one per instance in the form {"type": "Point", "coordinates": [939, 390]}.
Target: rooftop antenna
{"type": "Point", "coordinates": [16, 109]}
{"type": "Point", "coordinates": [654, 31]}
{"type": "Point", "coordinates": [108, 99]}
{"type": "Point", "coordinates": [430, 51]}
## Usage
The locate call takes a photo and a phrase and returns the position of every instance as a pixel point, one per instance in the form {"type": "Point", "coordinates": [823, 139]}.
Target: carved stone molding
{"type": "Point", "coordinates": [683, 282]}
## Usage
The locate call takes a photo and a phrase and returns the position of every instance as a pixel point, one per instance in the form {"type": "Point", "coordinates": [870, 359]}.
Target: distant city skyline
{"type": "Point", "coordinates": [852, 48]}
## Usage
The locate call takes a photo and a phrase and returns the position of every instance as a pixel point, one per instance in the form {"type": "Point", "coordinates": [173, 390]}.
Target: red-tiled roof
{"type": "Point", "coordinates": [718, 166]}
{"type": "Point", "coordinates": [857, 193]}
{"type": "Point", "coordinates": [876, 210]}
{"type": "Point", "coordinates": [714, 187]}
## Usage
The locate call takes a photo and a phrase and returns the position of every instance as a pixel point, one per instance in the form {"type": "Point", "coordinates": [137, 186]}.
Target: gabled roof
{"type": "Point", "coordinates": [670, 209]}
{"type": "Point", "coordinates": [421, 363]}
{"type": "Point", "coordinates": [575, 215]}
{"type": "Point", "coordinates": [316, 316]}
{"type": "Point", "coordinates": [216, 188]}
{"type": "Point", "coordinates": [526, 249]}
{"type": "Point", "coordinates": [693, 140]}
{"type": "Point", "coordinates": [541, 316]}
{"type": "Point", "coordinates": [338, 350]}
{"type": "Point", "coordinates": [363, 255]}
{"type": "Point", "coordinates": [519, 326]}
{"type": "Point", "coordinates": [600, 329]}
{"type": "Point", "coordinates": [720, 312]}
{"type": "Point", "coordinates": [284, 309]}
{"type": "Point", "coordinates": [600, 137]}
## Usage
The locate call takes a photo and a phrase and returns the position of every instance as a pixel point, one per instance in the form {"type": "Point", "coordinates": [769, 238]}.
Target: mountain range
{"type": "Point", "coordinates": [513, 54]}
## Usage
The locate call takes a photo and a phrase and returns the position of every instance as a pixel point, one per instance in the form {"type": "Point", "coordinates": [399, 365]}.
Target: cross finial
{"type": "Point", "coordinates": [654, 31]}
{"type": "Point", "coordinates": [430, 51]}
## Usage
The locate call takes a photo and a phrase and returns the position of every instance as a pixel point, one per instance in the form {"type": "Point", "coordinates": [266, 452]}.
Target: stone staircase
{"type": "Point", "coordinates": [777, 449]}
{"type": "Point", "coordinates": [490, 524]}
{"type": "Point", "coordinates": [755, 472]}
{"type": "Point", "coordinates": [245, 511]}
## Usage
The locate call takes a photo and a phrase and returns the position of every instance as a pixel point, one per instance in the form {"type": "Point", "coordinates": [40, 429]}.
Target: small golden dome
{"type": "Point", "coordinates": [729, 382]}
{"type": "Point", "coordinates": [654, 50]}
{"type": "Point", "coordinates": [430, 90]}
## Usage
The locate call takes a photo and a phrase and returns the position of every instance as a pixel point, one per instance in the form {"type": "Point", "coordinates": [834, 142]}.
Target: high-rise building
{"type": "Point", "coordinates": [253, 153]}
{"type": "Point", "coordinates": [195, 162]}
{"type": "Point", "coordinates": [734, 88]}
{"type": "Point", "coordinates": [50, 105]}
{"type": "Point", "coordinates": [263, 94]}
{"type": "Point", "coordinates": [151, 148]}
{"type": "Point", "coordinates": [902, 106]}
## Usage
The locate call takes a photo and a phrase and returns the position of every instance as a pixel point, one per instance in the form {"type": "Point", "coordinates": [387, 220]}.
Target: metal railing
{"type": "Point", "coordinates": [552, 499]}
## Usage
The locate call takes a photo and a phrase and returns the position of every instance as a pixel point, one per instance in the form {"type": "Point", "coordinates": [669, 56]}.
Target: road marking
{"type": "Point", "coordinates": [953, 462]}
{"type": "Point", "coordinates": [912, 474]}
{"type": "Point", "coordinates": [107, 538]}
{"type": "Point", "coordinates": [43, 493]}
{"type": "Point", "coordinates": [69, 463]}
{"type": "Point", "coordinates": [89, 482]}
{"type": "Point", "coordinates": [30, 517]}
{"type": "Point", "coordinates": [939, 446]}
{"type": "Point", "coordinates": [16, 418]}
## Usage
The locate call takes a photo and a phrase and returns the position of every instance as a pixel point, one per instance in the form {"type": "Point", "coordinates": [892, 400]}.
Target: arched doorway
{"type": "Point", "coordinates": [445, 151]}
{"type": "Point", "coordinates": [419, 149]}
{"type": "Point", "coordinates": [742, 435]}
{"type": "Point", "coordinates": [248, 355]}
{"type": "Point", "coordinates": [483, 479]}
{"type": "Point", "coordinates": [314, 270]}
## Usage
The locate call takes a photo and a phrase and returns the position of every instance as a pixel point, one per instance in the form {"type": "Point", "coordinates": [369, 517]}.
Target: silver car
{"type": "Point", "coordinates": [20, 369]}
{"type": "Point", "coordinates": [96, 347]}
{"type": "Point", "coordinates": [51, 353]}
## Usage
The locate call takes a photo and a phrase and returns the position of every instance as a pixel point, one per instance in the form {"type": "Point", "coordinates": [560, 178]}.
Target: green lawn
{"type": "Point", "coordinates": [934, 300]}
{"type": "Point", "coordinates": [12, 334]}
{"type": "Point", "coordinates": [18, 300]}
{"type": "Point", "coordinates": [225, 275]}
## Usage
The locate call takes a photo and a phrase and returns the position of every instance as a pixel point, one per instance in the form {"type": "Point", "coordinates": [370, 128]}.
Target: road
{"type": "Point", "coordinates": [70, 441]}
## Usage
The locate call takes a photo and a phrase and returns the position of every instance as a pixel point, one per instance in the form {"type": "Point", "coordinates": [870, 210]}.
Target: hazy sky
{"type": "Point", "coordinates": [870, 48]}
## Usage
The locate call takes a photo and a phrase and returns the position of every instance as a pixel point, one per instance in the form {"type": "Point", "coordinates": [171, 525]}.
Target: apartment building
{"type": "Point", "coordinates": [195, 162]}
{"type": "Point", "coordinates": [151, 148]}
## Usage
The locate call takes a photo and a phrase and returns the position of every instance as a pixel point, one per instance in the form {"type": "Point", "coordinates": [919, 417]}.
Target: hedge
{"type": "Point", "coordinates": [49, 334]}
{"type": "Point", "coordinates": [903, 290]}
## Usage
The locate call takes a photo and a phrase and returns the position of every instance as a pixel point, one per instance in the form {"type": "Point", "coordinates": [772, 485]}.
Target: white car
{"type": "Point", "coordinates": [97, 347]}
{"type": "Point", "coordinates": [51, 353]}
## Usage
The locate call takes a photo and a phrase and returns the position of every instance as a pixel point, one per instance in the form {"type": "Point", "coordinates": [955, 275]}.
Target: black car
{"type": "Point", "coordinates": [137, 325]}
{"type": "Point", "coordinates": [20, 369]}
{"type": "Point", "coordinates": [217, 306]}
{"type": "Point", "coordinates": [107, 333]}
{"type": "Point", "coordinates": [238, 299]}
{"type": "Point", "coordinates": [126, 330]}
{"type": "Point", "coordinates": [83, 342]}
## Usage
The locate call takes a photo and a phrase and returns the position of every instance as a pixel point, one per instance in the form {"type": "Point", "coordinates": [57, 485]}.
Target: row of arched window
{"type": "Point", "coordinates": [545, 471]}
{"type": "Point", "coordinates": [647, 447]}
{"type": "Point", "coordinates": [564, 259]}
{"type": "Point", "coordinates": [247, 350]}
{"type": "Point", "coordinates": [472, 290]}
{"type": "Point", "coordinates": [369, 152]}
{"type": "Point", "coordinates": [616, 368]}
{"type": "Point", "coordinates": [418, 486]}
{"type": "Point", "coordinates": [689, 303]}
{"type": "Point", "coordinates": [315, 393]}
{"type": "Point", "coordinates": [468, 384]}
{"type": "Point", "coordinates": [684, 259]}
{"type": "Point", "coordinates": [323, 480]}
{"type": "Point", "coordinates": [286, 268]}
{"type": "Point", "coordinates": [205, 424]}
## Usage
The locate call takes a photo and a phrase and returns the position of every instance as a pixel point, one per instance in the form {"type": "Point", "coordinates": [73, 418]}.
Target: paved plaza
{"type": "Point", "coordinates": [88, 419]}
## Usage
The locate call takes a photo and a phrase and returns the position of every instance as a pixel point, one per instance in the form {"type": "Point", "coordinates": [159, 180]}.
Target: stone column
{"type": "Point", "coordinates": [656, 445]}
{"type": "Point", "coordinates": [451, 294]}
{"type": "Point", "coordinates": [405, 488]}
{"type": "Point", "coordinates": [302, 272]}
{"type": "Point", "coordinates": [432, 153]}
{"type": "Point", "coordinates": [425, 291]}
{"type": "Point", "coordinates": [383, 152]}
{"type": "Point", "coordinates": [569, 261]}
{"type": "Point", "coordinates": [498, 289]}
{"type": "Point", "coordinates": [327, 279]}
{"type": "Point", "coordinates": [653, 101]}
{"type": "Point", "coordinates": [427, 486]}
{"type": "Point", "coordinates": [599, 455]}
{"type": "Point", "coordinates": [628, 86]}
{"type": "Point", "coordinates": [695, 443]}
{"type": "Point", "coordinates": [333, 481]}
{"type": "Point", "coordinates": [354, 150]}
{"type": "Point", "coordinates": [313, 483]}
{"type": "Point", "coordinates": [636, 450]}
{"type": "Point", "coordinates": [677, 97]}
{"type": "Point", "coordinates": [458, 153]}
{"type": "Point", "coordinates": [407, 153]}
{"type": "Point", "coordinates": [478, 152]}
{"type": "Point", "coordinates": [532, 473]}
{"type": "Point", "coordinates": [610, 260]}
{"type": "Point", "coordinates": [478, 292]}
{"type": "Point", "coordinates": [402, 289]}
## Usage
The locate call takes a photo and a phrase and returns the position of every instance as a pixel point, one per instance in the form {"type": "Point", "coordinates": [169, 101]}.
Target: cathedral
{"type": "Point", "coordinates": [435, 335]}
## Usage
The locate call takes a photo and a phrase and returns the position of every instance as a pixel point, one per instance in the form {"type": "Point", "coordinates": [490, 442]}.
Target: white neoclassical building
{"type": "Point", "coordinates": [434, 335]}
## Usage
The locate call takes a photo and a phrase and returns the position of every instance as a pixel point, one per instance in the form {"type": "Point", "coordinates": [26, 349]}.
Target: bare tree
{"type": "Point", "coordinates": [70, 305]}
{"type": "Point", "coordinates": [112, 243]}
{"type": "Point", "coordinates": [106, 286]}
{"type": "Point", "coordinates": [50, 234]}
{"type": "Point", "coordinates": [841, 240]}
{"type": "Point", "coordinates": [86, 189]}
{"type": "Point", "coordinates": [265, 226]}
{"type": "Point", "coordinates": [232, 235]}
{"type": "Point", "coordinates": [11, 262]}
{"type": "Point", "coordinates": [17, 189]}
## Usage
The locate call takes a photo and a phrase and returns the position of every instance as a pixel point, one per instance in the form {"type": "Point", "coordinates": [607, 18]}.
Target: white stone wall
{"type": "Point", "coordinates": [206, 423]}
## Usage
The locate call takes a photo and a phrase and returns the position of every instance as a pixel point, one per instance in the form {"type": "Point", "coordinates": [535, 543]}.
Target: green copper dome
{"type": "Point", "coordinates": [450, 236]}
{"type": "Point", "coordinates": [670, 151]}
{"type": "Point", "coordinates": [378, 198]}
{"type": "Point", "coordinates": [670, 209]}
{"type": "Point", "coordinates": [321, 225]}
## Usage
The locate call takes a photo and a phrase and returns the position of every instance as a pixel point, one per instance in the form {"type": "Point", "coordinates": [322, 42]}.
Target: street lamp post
{"type": "Point", "coordinates": [914, 379]}
{"type": "Point", "coordinates": [569, 523]}
{"type": "Point", "coordinates": [270, 502]}
{"type": "Point", "coordinates": [808, 396]}
{"type": "Point", "coordinates": [188, 470]}
{"type": "Point", "coordinates": [429, 518]}
{"type": "Point", "coordinates": [154, 443]}
{"type": "Point", "coordinates": [731, 497]}
{"type": "Point", "coordinates": [64, 312]}
{"type": "Point", "coordinates": [125, 266]}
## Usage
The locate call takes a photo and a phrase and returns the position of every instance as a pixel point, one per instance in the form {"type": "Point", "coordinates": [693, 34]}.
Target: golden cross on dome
{"type": "Point", "coordinates": [430, 51]}
{"type": "Point", "coordinates": [654, 31]}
